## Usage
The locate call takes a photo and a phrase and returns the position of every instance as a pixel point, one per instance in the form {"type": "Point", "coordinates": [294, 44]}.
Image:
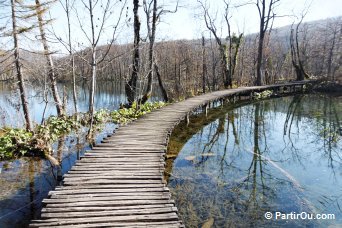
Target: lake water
{"type": "Point", "coordinates": [108, 95]}
{"type": "Point", "coordinates": [240, 161]}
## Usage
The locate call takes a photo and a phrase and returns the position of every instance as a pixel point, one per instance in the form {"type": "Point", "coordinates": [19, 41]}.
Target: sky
{"type": "Point", "coordinates": [186, 25]}
{"type": "Point", "coordinates": [187, 22]}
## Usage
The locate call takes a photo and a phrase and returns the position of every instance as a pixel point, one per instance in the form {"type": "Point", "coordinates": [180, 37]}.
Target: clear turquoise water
{"type": "Point", "coordinates": [279, 155]}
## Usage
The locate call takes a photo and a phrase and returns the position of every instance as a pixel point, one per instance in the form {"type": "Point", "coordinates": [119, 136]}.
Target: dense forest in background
{"type": "Point", "coordinates": [180, 68]}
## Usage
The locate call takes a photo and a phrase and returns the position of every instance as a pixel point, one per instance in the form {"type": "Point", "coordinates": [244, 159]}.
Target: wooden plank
{"type": "Point", "coordinates": [120, 154]}
{"type": "Point", "coordinates": [110, 181]}
{"type": "Point", "coordinates": [123, 155]}
{"type": "Point", "coordinates": [105, 208]}
{"type": "Point", "coordinates": [144, 150]}
{"type": "Point", "coordinates": [129, 142]}
{"type": "Point", "coordinates": [109, 213]}
{"type": "Point", "coordinates": [109, 203]}
{"type": "Point", "coordinates": [112, 172]}
{"type": "Point", "coordinates": [94, 194]}
{"type": "Point", "coordinates": [164, 224]}
{"type": "Point", "coordinates": [130, 148]}
{"type": "Point", "coordinates": [111, 177]}
{"type": "Point", "coordinates": [84, 168]}
{"type": "Point", "coordinates": [122, 164]}
{"type": "Point", "coordinates": [90, 199]}
{"type": "Point", "coordinates": [172, 216]}
{"type": "Point", "coordinates": [122, 159]}
{"type": "Point", "coordinates": [117, 187]}
{"type": "Point", "coordinates": [126, 191]}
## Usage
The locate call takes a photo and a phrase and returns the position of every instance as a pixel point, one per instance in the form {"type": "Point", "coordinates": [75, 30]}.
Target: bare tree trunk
{"type": "Point", "coordinates": [204, 66]}
{"type": "Point", "coordinates": [131, 85]}
{"type": "Point", "coordinates": [72, 58]}
{"type": "Point", "coordinates": [151, 30]}
{"type": "Point", "coordinates": [213, 67]}
{"type": "Point", "coordinates": [74, 92]}
{"type": "Point", "coordinates": [259, 60]}
{"type": "Point", "coordinates": [160, 82]}
{"type": "Point", "coordinates": [93, 71]}
{"type": "Point", "coordinates": [177, 81]}
{"type": "Point", "coordinates": [227, 81]}
{"type": "Point", "coordinates": [295, 55]}
{"type": "Point", "coordinates": [331, 53]}
{"type": "Point", "coordinates": [51, 69]}
{"type": "Point", "coordinates": [260, 47]}
{"type": "Point", "coordinates": [20, 78]}
{"type": "Point", "coordinates": [226, 71]}
{"type": "Point", "coordinates": [236, 52]}
{"type": "Point", "coordinates": [265, 10]}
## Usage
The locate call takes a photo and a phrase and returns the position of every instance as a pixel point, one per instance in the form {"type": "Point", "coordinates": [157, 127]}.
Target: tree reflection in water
{"type": "Point", "coordinates": [235, 164]}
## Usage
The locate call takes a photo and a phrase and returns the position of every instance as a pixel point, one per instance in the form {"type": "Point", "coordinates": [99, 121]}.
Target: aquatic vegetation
{"type": "Point", "coordinates": [14, 141]}
{"type": "Point", "coordinates": [262, 95]}
{"type": "Point", "coordinates": [19, 142]}
{"type": "Point", "coordinates": [126, 115]}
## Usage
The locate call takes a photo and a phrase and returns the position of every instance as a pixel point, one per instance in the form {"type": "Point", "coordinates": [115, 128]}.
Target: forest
{"type": "Point", "coordinates": [186, 67]}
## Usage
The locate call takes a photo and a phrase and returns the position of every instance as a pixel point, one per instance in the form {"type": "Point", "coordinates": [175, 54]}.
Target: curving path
{"type": "Point", "coordinates": [119, 183]}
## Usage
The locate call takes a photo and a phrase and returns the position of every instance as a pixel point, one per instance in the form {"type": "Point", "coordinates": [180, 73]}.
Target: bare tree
{"type": "Point", "coordinates": [210, 24]}
{"type": "Point", "coordinates": [336, 37]}
{"type": "Point", "coordinates": [228, 56]}
{"type": "Point", "coordinates": [151, 23]}
{"type": "Point", "coordinates": [17, 63]}
{"type": "Point", "coordinates": [97, 28]}
{"type": "Point", "coordinates": [40, 10]}
{"type": "Point", "coordinates": [266, 15]}
{"type": "Point", "coordinates": [297, 61]}
{"type": "Point", "coordinates": [67, 6]}
{"type": "Point", "coordinates": [151, 33]}
{"type": "Point", "coordinates": [131, 85]}
{"type": "Point", "coordinates": [204, 66]}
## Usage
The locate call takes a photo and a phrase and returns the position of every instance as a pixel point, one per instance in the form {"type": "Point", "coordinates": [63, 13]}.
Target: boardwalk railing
{"type": "Point", "coordinates": [119, 183]}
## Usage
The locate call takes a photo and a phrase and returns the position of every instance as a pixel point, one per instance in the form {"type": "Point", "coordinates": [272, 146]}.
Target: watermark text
{"type": "Point", "coordinates": [298, 216]}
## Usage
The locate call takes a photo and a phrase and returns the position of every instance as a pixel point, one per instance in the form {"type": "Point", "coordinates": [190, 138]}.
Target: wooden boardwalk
{"type": "Point", "coordinates": [119, 183]}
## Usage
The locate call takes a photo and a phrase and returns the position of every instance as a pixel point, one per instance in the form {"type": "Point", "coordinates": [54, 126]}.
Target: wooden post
{"type": "Point", "coordinates": [206, 110]}
{"type": "Point", "coordinates": [59, 173]}
{"type": "Point", "coordinates": [78, 155]}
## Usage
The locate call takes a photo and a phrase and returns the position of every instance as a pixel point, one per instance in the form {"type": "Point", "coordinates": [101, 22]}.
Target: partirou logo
{"type": "Point", "coordinates": [298, 216]}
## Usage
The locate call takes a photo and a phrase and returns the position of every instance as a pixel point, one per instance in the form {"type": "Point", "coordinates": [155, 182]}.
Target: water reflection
{"type": "Point", "coordinates": [108, 95]}
{"type": "Point", "coordinates": [236, 163]}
